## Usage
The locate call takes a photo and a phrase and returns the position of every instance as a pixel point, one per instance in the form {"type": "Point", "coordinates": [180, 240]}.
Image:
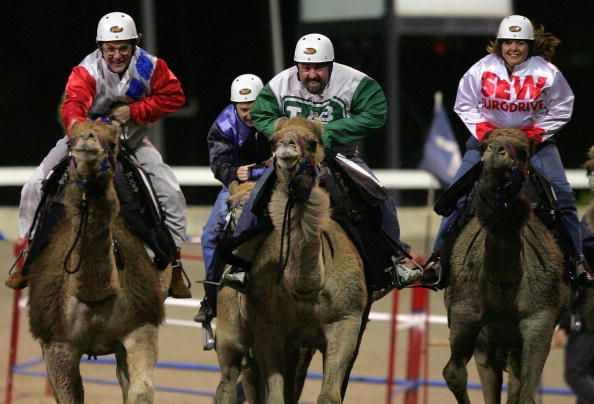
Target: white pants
{"type": "Point", "coordinates": [164, 183]}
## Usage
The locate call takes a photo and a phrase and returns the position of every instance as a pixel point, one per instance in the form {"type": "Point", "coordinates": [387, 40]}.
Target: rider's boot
{"type": "Point", "coordinates": [18, 280]}
{"type": "Point", "coordinates": [179, 288]}
{"type": "Point", "coordinates": [208, 305]}
{"type": "Point", "coordinates": [583, 272]}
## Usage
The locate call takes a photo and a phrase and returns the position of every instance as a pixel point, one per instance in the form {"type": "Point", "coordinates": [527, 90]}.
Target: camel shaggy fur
{"type": "Point", "coordinates": [233, 336]}
{"type": "Point", "coordinates": [307, 285]}
{"type": "Point", "coordinates": [85, 300]}
{"type": "Point", "coordinates": [507, 290]}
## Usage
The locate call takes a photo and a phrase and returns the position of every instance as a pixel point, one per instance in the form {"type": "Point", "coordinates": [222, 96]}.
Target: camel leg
{"type": "Point", "coordinates": [305, 357]}
{"type": "Point", "coordinates": [537, 332]}
{"type": "Point", "coordinates": [347, 374]}
{"type": "Point", "coordinates": [63, 369]}
{"type": "Point", "coordinates": [463, 334]}
{"type": "Point", "coordinates": [514, 368]}
{"type": "Point", "coordinates": [341, 343]}
{"type": "Point", "coordinates": [230, 359]}
{"type": "Point", "coordinates": [292, 357]}
{"type": "Point", "coordinates": [141, 347]}
{"type": "Point", "coordinates": [269, 348]}
{"type": "Point", "coordinates": [122, 372]}
{"type": "Point", "coordinates": [490, 373]}
{"type": "Point", "coordinates": [251, 382]}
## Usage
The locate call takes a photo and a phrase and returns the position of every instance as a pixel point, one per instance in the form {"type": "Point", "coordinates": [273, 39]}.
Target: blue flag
{"type": "Point", "coordinates": [441, 153]}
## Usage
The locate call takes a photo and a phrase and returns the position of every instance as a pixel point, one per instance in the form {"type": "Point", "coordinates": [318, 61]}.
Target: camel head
{"type": "Point", "coordinates": [589, 165]}
{"type": "Point", "coordinates": [505, 155]}
{"type": "Point", "coordinates": [297, 141]}
{"type": "Point", "coordinates": [298, 152]}
{"type": "Point", "coordinates": [94, 146]}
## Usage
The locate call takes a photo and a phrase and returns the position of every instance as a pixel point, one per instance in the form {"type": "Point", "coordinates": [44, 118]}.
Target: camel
{"type": "Point", "coordinates": [233, 336]}
{"type": "Point", "coordinates": [507, 290]}
{"type": "Point", "coordinates": [87, 298]}
{"type": "Point", "coordinates": [307, 286]}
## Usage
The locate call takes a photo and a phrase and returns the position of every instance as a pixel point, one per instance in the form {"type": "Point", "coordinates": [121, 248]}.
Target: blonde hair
{"type": "Point", "coordinates": [544, 44]}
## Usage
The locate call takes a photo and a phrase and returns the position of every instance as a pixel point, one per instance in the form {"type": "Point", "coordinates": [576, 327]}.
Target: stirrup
{"type": "Point", "coordinates": [208, 339]}
{"type": "Point", "coordinates": [433, 263]}
{"type": "Point", "coordinates": [237, 280]}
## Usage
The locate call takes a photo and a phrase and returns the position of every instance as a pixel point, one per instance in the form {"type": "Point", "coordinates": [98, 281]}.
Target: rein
{"type": "Point", "coordinates": [518, 173]}
{"type": "Point", "coordinates": [291, 201]}
{"type": "Point", "coordinates": [107, 163]}
{"type": "Point", "coordinates": [82, 230]}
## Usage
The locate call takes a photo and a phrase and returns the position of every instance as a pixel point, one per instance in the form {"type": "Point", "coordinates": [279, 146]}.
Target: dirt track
{"type": "Point", "coordinates": [182, 346]}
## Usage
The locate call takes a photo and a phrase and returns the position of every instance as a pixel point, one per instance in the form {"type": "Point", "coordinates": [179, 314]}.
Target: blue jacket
{"type": "Point", "coordinates": [231, 144]}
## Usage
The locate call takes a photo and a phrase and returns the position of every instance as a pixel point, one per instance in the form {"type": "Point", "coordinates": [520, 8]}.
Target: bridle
{"type": "Point", "coordinates": [307, 167]}
{"type": "Point", "coordinates": [108, 162]}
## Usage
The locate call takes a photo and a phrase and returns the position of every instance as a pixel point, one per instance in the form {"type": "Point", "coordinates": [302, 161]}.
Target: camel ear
{"type": "Point", "coordinates": [233, 187]}
{"type": "Point", "coordinates": [281, 123]}
{"type": "Point", "coordinates": [115, 128]}
{"type": "Point", "coordinates": [591, 153]}
{"type": "Point", "coordinates": [317, 128]}
{"type": "Point", "coordinates": [487, 135]}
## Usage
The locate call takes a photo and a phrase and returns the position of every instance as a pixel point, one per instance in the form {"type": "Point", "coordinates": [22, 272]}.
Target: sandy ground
{"type": "Point", "coordinates": [181, 350]}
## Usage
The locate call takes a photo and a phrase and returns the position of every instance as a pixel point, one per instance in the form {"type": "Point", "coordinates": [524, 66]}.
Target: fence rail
{"type": "Point", "coordinates": [202, 176]}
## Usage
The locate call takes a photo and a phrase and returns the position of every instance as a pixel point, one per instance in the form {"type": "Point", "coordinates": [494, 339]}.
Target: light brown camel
{"type": "Point", "coordinates": [233, 333]}
{"type": "Point", "coordinates": [506, 290]}
{"type": "Point", "coordinates": [81, 301]}
{"type": "Point", "coordinates": [307, 286]}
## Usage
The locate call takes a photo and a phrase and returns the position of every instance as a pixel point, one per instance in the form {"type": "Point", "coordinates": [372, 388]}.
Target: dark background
{"type": "Point", "coordinates": [207, 43]}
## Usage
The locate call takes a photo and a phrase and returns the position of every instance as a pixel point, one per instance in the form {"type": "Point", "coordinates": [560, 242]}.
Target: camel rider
{"type": "Point", "coordinates": [351, 106]}
{"type": "Point", "coordinates": [126, 83]}
{"type": "Point", "coordinates": [237, 152]}
{"type": "Point", "coordinates": [515, 86]}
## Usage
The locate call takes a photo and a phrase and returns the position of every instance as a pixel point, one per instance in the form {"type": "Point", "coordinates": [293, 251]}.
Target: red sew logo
{"type": "Point", "coordinates": [493, 86]}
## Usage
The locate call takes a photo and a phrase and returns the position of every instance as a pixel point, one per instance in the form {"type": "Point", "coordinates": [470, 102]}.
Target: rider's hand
{"type": "Point", "coordinates": [121, 113]}
{"type": "Point", "coordinates": [243, 172]}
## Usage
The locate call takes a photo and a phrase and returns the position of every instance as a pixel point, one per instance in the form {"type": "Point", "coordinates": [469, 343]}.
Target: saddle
{"type": "Point", "coordinates": [139, 209]}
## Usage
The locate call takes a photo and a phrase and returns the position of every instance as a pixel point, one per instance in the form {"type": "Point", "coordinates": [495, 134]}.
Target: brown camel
{"type": "Point", "coordinates": [307, 285]}
{"type": "Point", "coordinates": [506, 291]}
{"type": "Point", "coordinates": [233, 334]}
{"type": "Point", "coordinates": [86, 299]}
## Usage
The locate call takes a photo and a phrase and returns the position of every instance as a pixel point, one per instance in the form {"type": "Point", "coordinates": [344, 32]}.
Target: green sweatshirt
{"type": "Point", "coordinates": [351, 106]}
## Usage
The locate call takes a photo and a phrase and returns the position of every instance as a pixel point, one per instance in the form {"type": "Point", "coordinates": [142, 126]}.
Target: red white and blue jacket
{"type": "Point", "coordinates": [535, 97]}
{"type": "Point", "coordinates": [147, 86]}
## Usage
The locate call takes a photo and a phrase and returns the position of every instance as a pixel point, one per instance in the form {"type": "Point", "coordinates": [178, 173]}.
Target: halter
{"type": "Point", "coordinates": [518, 173]}
{"type": "Point", "coordinates": [107, 163]}
{"type": "Point", "coordinates": [314, 171]}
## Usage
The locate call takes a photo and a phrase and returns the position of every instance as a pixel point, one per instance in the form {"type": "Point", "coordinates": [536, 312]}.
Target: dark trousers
{"type": "Point", "coordinates": [579, 366]}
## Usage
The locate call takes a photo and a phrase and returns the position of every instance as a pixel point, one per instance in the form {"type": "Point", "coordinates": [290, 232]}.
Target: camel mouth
{"type": "Point", "coordinates": [85, 153]}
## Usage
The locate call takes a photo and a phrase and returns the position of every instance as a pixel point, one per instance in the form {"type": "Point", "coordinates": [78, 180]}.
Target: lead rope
{"type": "Point", "coordinates": [82, 229]}
{"type": "Point", "coordinates": [286, 229]}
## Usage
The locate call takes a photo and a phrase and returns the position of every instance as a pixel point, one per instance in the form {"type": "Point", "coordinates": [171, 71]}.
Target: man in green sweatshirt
{"type": "Point", "coordinates": [351, 106]}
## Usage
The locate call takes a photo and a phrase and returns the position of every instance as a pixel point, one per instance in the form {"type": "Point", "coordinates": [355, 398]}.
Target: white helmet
{"type": "Point", "coordinates": [245, 88]}
{"type": "Point", "coordinates": [116, 26]}
{"type": "Point", "coordinates": [314, 48]}
{"type": "Point", "coordinates": [516, 27]}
